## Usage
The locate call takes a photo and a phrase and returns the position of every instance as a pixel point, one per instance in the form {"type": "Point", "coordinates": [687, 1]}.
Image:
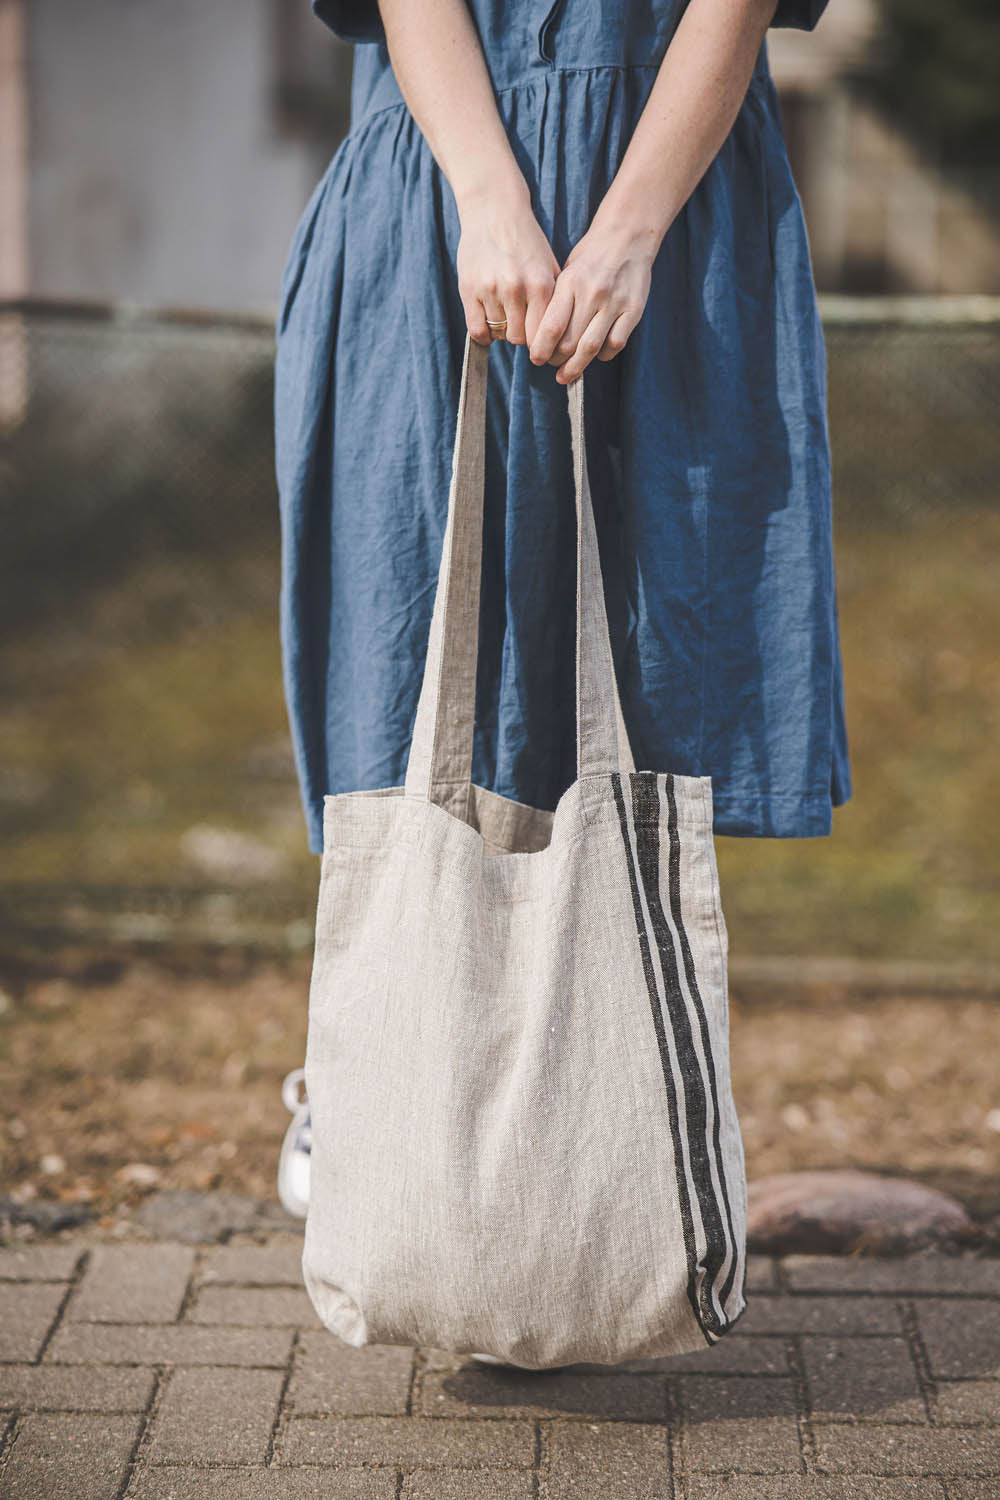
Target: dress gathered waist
{"type": "Point", "coordinates": [375, 88]}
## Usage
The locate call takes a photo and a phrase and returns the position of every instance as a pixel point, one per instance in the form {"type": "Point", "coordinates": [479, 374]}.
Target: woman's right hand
{"type": "Point", "coordinates": [506, 268]}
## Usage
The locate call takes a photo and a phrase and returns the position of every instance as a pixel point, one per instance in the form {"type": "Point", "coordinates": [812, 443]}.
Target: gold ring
{"type": "Point", "coordinates": [501, 324]}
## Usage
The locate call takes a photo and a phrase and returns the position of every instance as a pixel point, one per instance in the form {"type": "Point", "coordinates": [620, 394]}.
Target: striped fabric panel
{"type": "Point", "coordinates": [680, 1021]}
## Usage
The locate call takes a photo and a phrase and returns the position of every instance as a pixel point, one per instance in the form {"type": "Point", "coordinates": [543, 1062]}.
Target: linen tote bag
{"type": "Point", "coordinates": [524, 1135]}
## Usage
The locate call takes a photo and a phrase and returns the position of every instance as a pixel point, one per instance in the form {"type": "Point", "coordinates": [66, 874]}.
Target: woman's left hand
{"type": "Point", "coordinates": [599, 296]}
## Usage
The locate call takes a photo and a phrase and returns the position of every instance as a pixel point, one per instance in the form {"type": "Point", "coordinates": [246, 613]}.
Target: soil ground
{"type": "Point", "coordinates": [123, 1072]}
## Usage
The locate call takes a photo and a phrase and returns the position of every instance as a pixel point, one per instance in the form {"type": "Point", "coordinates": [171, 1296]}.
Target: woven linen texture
{"type": "Point", "coordinates": [524, 1135]}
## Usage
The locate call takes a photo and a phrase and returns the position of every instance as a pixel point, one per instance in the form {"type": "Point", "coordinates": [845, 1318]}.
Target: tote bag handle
{"type": "Point", "coordinates": [439, 768]}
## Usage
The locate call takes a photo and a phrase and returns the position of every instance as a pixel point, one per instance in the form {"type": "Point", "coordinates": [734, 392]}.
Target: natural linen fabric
{"type": "Point", "coordinates": [524, 1135]}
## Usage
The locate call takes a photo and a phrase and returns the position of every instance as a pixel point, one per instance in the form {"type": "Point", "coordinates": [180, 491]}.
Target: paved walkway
{"type": "Point", "coordinates": [162, 1372]}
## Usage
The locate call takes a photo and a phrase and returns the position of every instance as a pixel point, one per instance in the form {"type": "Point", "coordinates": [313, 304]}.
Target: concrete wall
{"type": "Point", "coordinates": [159, 168]}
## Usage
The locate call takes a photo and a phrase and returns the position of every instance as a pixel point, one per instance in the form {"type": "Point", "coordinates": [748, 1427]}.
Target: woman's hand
{"type": "Point", "coordinates": [600, 295]}
{"type": "Point", "coordinates": [506, 268]}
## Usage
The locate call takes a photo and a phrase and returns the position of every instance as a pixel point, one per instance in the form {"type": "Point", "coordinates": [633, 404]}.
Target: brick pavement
{"type": "Point", "coordinates": [136, 1371]}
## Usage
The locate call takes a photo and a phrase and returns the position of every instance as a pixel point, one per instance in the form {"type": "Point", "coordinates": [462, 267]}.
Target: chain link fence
{"type": "Point", "coordinates": [146, 779]}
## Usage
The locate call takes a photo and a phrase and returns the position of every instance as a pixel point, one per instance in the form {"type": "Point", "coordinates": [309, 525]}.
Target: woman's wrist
{"type": "Point", "coordinates": [499, 189]}
{"type": "Point", "coordinates": [634, 228]}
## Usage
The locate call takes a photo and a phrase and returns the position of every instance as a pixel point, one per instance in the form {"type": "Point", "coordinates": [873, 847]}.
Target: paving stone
{"type": "Point", "coordinates": [216, 1416]}
{"type": "Point", "coordinates": [69, 1457]}
{"type": "Point", "coordinates": [26, 1315]}
{"type": "Point", "coordinates": [968, 1401]}
{"type": "Point", "coordinates": [606, 1461]}
{"type": "Point", "coordinates": [471, 1484]}
{"type": "Point", "coordinates": [862, 1377]}
{"type": "Point", "coordinates": [329, 1378]}
{"type": "Point", "coordinates": [928, 1271]}
{"type": "Point", "coordinates": [865, 1449]}
{"type": "Point", "coordinates": [40, 1263]}
{"type": "Point", "coordinates": [346, 1442]}
{"type": "Point", "coordinates": [972, 1489]}
{"type": "Point", "coordinates": [264, 1484]}
{"type": "Point", "coordinates": [962, 1337]}
{"type": "Point", "coordinates": [176, 1344]}
{"type": "Point", "coordinates": [494, 1391]}
{"type": "Point", "coordinates": [132, 1284]}
{"type": "Point", "coordinates": [811, 1487]}
{"type": "Point", "coordinates": [59, 1388]}
{"type": "Point", "coordinates": [799, 1313]}
{"type": "Point", "coordinates": [745, 1356]}
{"type": "Point", "coordinates": [276, 1264]}
{"type": "Point", "coordinates": [254, 1307]}
{"type": "Point", "coordinates": [740, 1423]}
{"type": "Point", "coordinates": [751, 1355]}
{"type": "Point", "coordinates": [762, 1274]}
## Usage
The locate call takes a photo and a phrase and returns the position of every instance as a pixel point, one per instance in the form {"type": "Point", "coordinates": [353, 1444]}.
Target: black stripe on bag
{"type": "Point", "coordinates": [674, 878]}
{"type": "Point", "coordinates": [687, 1222]}
{"type": "Point", "coordinates": [646, 821]}
{"type": "Point", "coordinates": [646, 818]}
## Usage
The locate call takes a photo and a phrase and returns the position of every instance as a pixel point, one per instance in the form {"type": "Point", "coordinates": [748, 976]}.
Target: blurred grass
{"type": "Point", "coordinates": [135, 741]}
{"type": "Point", "coordinates": [913, 864]}
{"type": "Point", "coordinates": [143, 734]}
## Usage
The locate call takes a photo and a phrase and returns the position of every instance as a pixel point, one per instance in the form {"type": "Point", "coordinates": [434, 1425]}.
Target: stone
{"type": "Point", "coordinates": [26, 1314]}
{"type": "Point", "coordinates": [254, 1307]}
{"type": "Point", "coordinates": [74, 1388]}
{"type": "Point", "coordinates": [43, 1215]}
{"type": "Point", "coordinates": [182, 1483]}
{"type": "Point", "coordinates": [63, 1456]}
{"type": "Point", "coordinates": [216, 1416]}
{"type": "Point", "coordinates": [740, 1422]}
{"type": "Point", "coordinates": [844, 1212]}
{"type": "Point", "coordinates": [170, 1344]}
{"type": "Point", "coordinates": [412, 1442]}
{"type": "Point", "coordinates": [278, 1263]}
{"type": "Point", "coordinates": [539, 1394]}
{"type": "Point", "coordinates": [487, 1484]}
{"type": "Point", "coordinates": [132, 1284]}
{"type": "Point", "coordinates": [329, 1378]}
{"type": "Point", "coordinates": [40, 1263]}
{"type": "Point", "coordinates": [209, 1218]}
{"type": "Point", "coordinates": [606, 1461]}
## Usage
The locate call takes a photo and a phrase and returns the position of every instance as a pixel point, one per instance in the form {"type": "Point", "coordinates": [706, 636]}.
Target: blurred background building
{"type": "Point", "coordinates": [141, 143]}
{"type": "Point", "coordinates": [154, 160]}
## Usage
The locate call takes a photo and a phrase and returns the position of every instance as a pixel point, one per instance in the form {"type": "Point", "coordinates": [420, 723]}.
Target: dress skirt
{"type": "Point", "coordinates": [707, 440]}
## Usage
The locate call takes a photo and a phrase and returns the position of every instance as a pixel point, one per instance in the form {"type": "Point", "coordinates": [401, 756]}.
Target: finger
{"type": "Point", "coordinates": [514, 305]}
{"type": "Point", "coordinates": [493, 309]}
{"type": "Point", "coordinates": [589, 344]}
{"type": "Point", "coordinates": [475, 319]}
{"type": "Point", "coordinates": [540, 289]}
{"type": "Point", "coordinates": [618, 335]}
{"type": "Point", "coordinates": [555, 320]}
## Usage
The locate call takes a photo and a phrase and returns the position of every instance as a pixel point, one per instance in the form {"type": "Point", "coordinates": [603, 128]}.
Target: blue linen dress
{"type": "Point", "coordinates": [707, 445]}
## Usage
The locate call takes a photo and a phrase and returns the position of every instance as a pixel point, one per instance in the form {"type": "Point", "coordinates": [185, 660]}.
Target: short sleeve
{"type": "Point", "coordinates": [352, 20]}
{"type": "Point", "coordinates": [800, 14]}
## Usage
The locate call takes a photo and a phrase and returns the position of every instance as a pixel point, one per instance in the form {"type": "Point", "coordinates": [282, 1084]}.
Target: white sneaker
{"type": "Point", "coordinates": [294, 1162]}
